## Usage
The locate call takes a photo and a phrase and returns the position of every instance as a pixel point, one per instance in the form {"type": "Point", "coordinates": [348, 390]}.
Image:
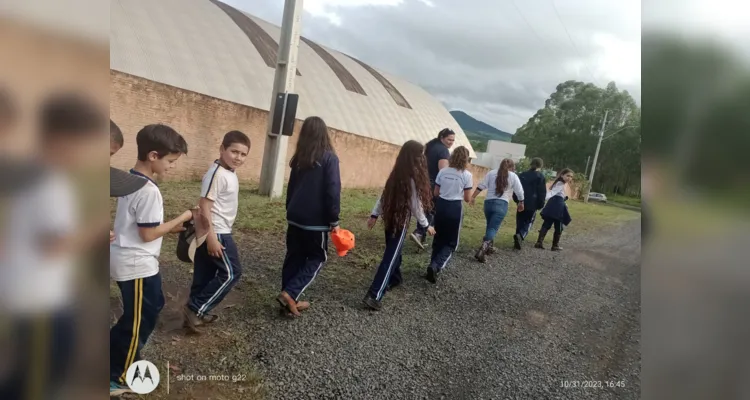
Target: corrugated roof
{"type": "Point", "coordinates": [210, 48]}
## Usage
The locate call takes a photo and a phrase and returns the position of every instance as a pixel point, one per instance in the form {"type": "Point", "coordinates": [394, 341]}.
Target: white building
{"type": "Point", "coordinates": [498, 150]}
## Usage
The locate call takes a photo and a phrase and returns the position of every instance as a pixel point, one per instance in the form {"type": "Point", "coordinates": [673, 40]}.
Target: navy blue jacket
{"type": "Point", "coordinates": [534, 189]}
{"type": "Point", "coordinates": [313, 197]}
{"type": "Point", "coordinates": [556, 210]}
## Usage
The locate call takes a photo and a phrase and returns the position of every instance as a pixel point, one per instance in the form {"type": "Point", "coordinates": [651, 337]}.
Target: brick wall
{"type": "Point", "coordinates": [203, 120]}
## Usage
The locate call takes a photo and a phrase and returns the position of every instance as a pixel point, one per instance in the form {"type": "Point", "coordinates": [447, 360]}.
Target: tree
{"type": "Point", "coordinates": [699, 96]}
{"type": "Point", "coordinates": [565, 132]}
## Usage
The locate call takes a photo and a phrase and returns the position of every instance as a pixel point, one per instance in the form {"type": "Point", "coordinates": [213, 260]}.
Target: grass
{"type": "Point", "coordinates": [259, 232]}
{"type": "Point", "coordinates": [259, 215]}
{"type": "Point", "coordinates": [626, 200]}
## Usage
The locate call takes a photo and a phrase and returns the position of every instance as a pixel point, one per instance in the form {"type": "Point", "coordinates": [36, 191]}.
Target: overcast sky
{"type": "Point", "coordinates": [498, 60]}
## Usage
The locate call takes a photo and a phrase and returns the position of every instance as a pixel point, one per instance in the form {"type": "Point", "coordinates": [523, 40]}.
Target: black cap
{"type": "Point", "coordinates": [122, 183]}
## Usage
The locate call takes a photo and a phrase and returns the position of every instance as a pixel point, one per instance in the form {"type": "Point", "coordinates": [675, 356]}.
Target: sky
{"type": "Point", "coordinates": [497, 60]}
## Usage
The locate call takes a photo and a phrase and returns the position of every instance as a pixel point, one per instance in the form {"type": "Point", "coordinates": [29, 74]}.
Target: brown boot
{"type": "Point", "coordinates": [556, 241]}
{"type": "Point", "coordinates": [482, 251]}
{"type": "Point", "coordinates": [491, 248]}
{"type": "Point", "coordinates": [540, 241]}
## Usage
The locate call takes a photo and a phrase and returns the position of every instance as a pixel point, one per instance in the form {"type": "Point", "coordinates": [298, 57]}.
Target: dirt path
{"type": "Point", "coordinates": [516, 328]}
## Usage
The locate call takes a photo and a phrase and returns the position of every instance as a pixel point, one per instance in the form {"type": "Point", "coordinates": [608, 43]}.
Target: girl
{"type": "Point", "coordinates": [452, 186]}
{"type": "Point", "coordinates": [406, 194]}
{"type": "Point", "coordinates": [555, 211]}
{"type": "Point", "coordinates": [313, 201]}
{"type": "Point", "coordinates": [437, 153]}
{"type": "Point", "coordinates": [502, 184]}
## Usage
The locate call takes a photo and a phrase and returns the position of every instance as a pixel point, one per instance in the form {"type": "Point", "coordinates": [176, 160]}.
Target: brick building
{"type": "Point", "coordinates": [204, 68]}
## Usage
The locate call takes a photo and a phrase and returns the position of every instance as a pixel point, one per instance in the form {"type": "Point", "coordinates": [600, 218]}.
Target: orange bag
{"type": "Point", "coordinates": [343, 240]}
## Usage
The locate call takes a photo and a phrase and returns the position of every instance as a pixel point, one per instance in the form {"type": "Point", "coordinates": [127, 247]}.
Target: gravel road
{"type": "Point", "coordinates": [514, 328]}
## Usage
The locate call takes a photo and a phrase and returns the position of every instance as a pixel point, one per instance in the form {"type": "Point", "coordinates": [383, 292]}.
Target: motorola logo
{"type": "Point", "coordinates": [142, 377]}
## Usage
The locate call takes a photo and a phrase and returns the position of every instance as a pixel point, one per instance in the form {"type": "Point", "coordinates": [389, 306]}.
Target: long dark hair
{"type": "Point", "coordinates": [459, 159]}
{"type": "Point", "coordinates": [560, 175]}
{"type": "Point", "coordinates": [501, 182]}
{"type": "Point", "coordinates": [410, 164]}
{"type": "Point", "coordinates": [441, 135]}
{"type": "Point", "coordinates": [313, 142]}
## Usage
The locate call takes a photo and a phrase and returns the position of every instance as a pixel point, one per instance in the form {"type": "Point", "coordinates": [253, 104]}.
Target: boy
{"type": "Point", "coordinates": [535, 189]}
{"type": "Point", "coordinates": [116, 140]}
{"type": "Point", "coordinates": [120, 183]}
{"type": "Point", "coordinates": [43, 237]}
{"type": "Point", "coordinates": [217, 265]}
{"type": "Point", "coordinates": [134, 254]}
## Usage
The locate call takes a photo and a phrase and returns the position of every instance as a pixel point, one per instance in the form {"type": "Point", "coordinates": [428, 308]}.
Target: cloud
{"type": "Point", "coordinates": [496, 60]}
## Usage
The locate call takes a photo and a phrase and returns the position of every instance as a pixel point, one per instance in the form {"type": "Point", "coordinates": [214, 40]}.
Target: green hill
{"type": "Point", "coordinates": [479, 132]}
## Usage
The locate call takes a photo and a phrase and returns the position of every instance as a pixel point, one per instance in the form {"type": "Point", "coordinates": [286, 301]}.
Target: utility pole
{"type": "Point", "coordinates": [596, 156]}
{"type": "Point", "coordinates": [588, 158]}
{"type": "Point", "coordinates": [274, 153]}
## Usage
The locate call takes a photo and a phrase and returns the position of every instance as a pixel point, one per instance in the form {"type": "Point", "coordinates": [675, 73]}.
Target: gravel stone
{"type": "Point", "coordinates": [512, 328]}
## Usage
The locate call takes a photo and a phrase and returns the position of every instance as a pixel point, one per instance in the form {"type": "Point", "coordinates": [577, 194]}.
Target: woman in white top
{"type": "Point", "coordinates": [453, 186]}
{"type": "Point", "coordinates": [501, 183]}
{"type": "Point", "coordinates": [555, 212]}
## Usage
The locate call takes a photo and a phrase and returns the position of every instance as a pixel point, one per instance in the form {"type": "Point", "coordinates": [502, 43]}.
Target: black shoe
{"type": "Point", "coordinates": [392, 285]}
{"type": "Point", "coordinates": [372, 303]}
{"type": "Point", "coordinates": [431, 274]}
{"type": "Point", "coordinates": [517, 239]}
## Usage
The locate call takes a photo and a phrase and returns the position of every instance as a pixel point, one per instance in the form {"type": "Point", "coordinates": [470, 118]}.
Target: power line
{"type": "Point", "coordinates": [527, 22]}
{"type": "Point", "coordinates": [557, 13]}
{"type": "Point", "coordinates": [544, 43]}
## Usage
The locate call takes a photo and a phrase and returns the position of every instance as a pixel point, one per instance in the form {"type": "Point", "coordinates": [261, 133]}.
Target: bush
{"type": "Point", "coordinates": [523, 165]}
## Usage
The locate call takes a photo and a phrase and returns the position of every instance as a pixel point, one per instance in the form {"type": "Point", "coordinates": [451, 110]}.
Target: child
{"type": "Point", "coordinates": [134, 254]}
{"type": "Point", "coordinates": [313, 202]}
{"type": "Point", "coordinates": [116, 140]}
{"type": "Point", "coordinates": [217, 265]}
{"type": "Point", "coordinates": [437, 153]}
{"type": "Point", "coordinates": [43, 236]}
{"type": "Point", "coordinates": [535, 191]}
{"type": "Point", "coordinates": [452, 186]}
{"type": "Point", "coordinates": [555, 212]}
{"type": "Point", "coordinates": [502, 184]}
{"type": "Point", "coordinates": [406, 194]}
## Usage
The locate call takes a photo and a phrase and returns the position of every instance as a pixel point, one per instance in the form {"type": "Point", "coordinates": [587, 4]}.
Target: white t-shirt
{"type": "Point", "coordinates": [30, 281]}
{"type": "Point", "coordinates": [129, 256]}
{"type": "Point", "coordinates": [221, 186]}
{"type": "Point", "coordinates": [558, 189]}
{"type": "Point", "coordinates": [415, 207]}
{"type": "Point", "coordinates": [514, 186]}
{"type": "Point", "coordinates": [453, 182]}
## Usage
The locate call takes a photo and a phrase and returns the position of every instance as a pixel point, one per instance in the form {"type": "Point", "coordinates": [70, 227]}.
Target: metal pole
{"type": "Point", "coordinates": [274, 153]}
{"type": "Point", "coordinates": [588, 158]}
{"type": "Point", "coordinates": [596, 156]}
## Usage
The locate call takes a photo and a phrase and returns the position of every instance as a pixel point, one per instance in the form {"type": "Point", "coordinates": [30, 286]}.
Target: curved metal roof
{"type": "Point", "coordinates": [211, 48]}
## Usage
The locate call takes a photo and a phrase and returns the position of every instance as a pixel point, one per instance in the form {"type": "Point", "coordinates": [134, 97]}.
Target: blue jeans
{"type": "Point", "coordinates": [494, 213]}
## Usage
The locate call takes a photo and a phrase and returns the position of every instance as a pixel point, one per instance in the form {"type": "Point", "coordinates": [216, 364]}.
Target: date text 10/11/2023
{"type": "Point", "coordinates": [592, 384]}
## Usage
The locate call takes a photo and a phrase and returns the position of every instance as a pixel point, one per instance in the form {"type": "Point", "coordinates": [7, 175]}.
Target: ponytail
{"type": "Point", "coordinates": [501, 182]}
